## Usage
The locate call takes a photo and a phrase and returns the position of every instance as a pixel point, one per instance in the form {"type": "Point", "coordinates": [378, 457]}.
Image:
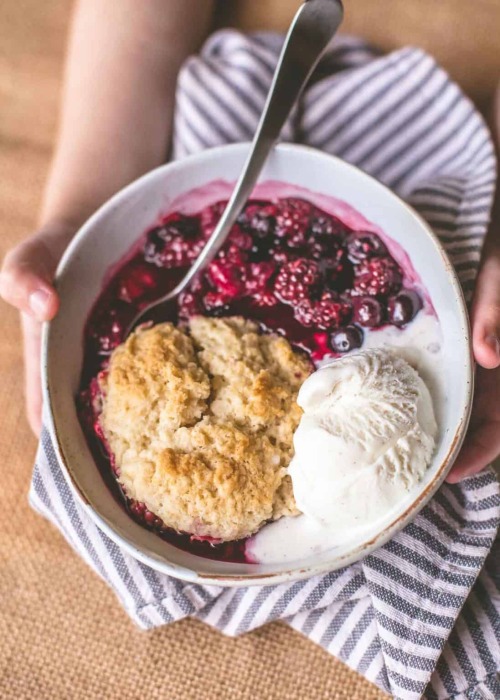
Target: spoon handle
{"type": "Point", "coordinates": [311, 30]}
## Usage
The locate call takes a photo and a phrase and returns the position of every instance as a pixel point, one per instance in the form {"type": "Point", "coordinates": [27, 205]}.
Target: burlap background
{"type": "Point", "coordinates": [62, 634]}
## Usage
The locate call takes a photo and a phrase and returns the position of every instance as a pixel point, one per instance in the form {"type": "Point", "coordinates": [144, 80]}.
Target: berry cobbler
{"type": "Point", "coordinates": [192, 420]}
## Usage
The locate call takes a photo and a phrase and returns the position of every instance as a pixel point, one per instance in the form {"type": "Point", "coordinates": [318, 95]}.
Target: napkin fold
{"type": "Point", "coordinates": [420, 617]}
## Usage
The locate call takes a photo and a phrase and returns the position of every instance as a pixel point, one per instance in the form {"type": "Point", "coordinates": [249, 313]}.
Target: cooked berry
{"type": "Point", "coordinates": [282, 255]}
{"type": "Point", "coordinates": [109, 327]}
{"type": "Point", "coordinates": [325, 225]}
{"type": "Point", "coordinates": [175, 244]}
{"type": "Point", "coordinates": [240, 239]}
{"type": "Point", "coordinates": [323, 246]}
{"type": "Point", "coordinates": [198, 285]}
{"type": "Point", "coordinates": [138, 509]}
{"type": "Point", "coordinates": [190, 304]}
{"type": "Point", "coordinates": [258, 277]}
{"type": "Point", "coordinates": [363, 245]}
{"type": "Point", "coordinates": [217, 303]}
{"type": "Point", "coordinates": [368, 312]}
{"type": "Point", "coordinates": [338, 271]}
{"type": "Point", "coordinates": [154, 245]}
{"type": "Point", "coordinates": [210, 216]}
{"type": "Point", "coordinates": [152, 520]}
{"type": "Point", "coordinates": [297, 280]}
{"type": "Point", "coordinates": [403, 307]}
{"type": "Point", "coordinates": [142, 514]}
{"type": "Point", "coordinates": [346, 339]}
{"type": "Point", "coordinates": [265, 298]}
{"type": "Point", "coordinates": [327, 313]}
{"type": "Point", "coordinates": [140, 280]}
{"type": "Point", "coordinates": [321, 346]}
{"type": "Point", "coordinates": [292, 221]}
{"type": "Point", "coordinates": [234, 255]}
{"type": "Point", "coordinates": [377, 277]}
{"type": "Point", "coordinates": [226, 278]}
{"type": "Point", "coordinates": [259, 219]}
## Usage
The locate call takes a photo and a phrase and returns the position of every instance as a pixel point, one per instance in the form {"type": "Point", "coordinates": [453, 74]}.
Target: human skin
{"type": "Point", "coordinates": [113, 128]}
{"type": "Point", "coordinates": [117, 127]}
{"type": "Point", "coordinates": [482, 444]}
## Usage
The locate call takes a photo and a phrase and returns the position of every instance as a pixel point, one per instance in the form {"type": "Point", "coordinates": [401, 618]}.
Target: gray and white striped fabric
{"type": "Point", "coordinates": [421, 616]}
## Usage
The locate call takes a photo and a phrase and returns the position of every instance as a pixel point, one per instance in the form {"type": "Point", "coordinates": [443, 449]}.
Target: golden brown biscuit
{"type": "Point", "coordinates": [201, 425]}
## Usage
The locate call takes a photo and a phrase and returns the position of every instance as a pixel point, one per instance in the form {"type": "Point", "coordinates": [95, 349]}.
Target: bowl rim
{"type": "Point", "coordinates": [289, 573]}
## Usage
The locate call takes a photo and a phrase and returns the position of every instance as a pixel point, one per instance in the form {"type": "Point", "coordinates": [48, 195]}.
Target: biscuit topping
{"type": "Point", "coordinates": [200, 424]}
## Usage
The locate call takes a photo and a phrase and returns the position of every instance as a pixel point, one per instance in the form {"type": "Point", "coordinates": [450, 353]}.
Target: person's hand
{"type": "Point", "coordinates": [26, 283]}
{"type": "Point", "coordinates": [482, 444]}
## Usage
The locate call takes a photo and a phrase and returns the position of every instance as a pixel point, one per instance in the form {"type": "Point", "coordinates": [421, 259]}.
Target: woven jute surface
{"type": "Point", "coordinates": [62, 633]}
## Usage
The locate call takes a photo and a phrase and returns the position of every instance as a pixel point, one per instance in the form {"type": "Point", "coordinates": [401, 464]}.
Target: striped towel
{"type": "Point", "coordinates": [421, 616]}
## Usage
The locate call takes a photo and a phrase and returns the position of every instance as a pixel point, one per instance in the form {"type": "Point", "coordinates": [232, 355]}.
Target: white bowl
{"type": "Point", "coordinates": [108, 235]}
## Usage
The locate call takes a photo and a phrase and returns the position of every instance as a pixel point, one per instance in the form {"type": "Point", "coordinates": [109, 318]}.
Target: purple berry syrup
{"type": "Point", "coordinates": [288, 265]}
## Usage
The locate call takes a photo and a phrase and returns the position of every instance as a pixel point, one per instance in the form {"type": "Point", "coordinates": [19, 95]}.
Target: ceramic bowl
{"type": "Point", "coordinates": [107, 236]}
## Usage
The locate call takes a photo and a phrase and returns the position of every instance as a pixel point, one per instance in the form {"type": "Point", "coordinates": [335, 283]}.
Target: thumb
{"type": "Point", "coordinates": [486, 313]}
{"type": "Point", "coordinates": [26, 277]}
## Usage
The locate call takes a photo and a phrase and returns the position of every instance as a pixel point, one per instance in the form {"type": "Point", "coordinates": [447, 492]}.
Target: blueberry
{"type": "Point", "coordinates": [403, 307]}
{"type": "Point", "coordinates": [362, 245]}
{"type": "Point", "coordinates": [346, 339]}
{"type": "Point", "coordinates": [368, 312]}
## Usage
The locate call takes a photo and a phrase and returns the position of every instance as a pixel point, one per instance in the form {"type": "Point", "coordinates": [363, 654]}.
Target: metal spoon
{"type": "Point", "coordinates": [311, 30]}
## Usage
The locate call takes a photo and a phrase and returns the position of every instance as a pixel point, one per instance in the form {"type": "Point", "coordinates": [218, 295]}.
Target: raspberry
{"type": "Point", "coordinates": [363, 245]}
{"type": "Point", "coordinates": [210, 216]}
{"type": "Point", "coordinates": [377, 277]}
{"type": "Point", "coordinates": [240, 239]}
{"type": "Point", "coordinates": [326, 314]}
{"type": "Point", "coordinates": [265, 298]}
{"type": "Point", "coordinates": [137, 282]}
{"type": "Point", "coordinates": [297, 280]}
{"type": "Point", "coordinates": [233, 255]}
{"type": "Point", "coordinates": [226, 278]}
{"type": "Point", "coordinates": [321, 346]}
{"type": "Point", "coordinates": [175, 244]}
{"type": "Point", "coordinates": [257, 280]}
{"type": "Point", "coordinates": [404, 307]}
{"type": "Point", "coordinates": [190, 304]}
{"type": "Point", "coordinates": [198, 285]}
{"type": "Point", "coordinates": [260, 219]}
{"type": "Point", "coordinates": [258, 276]}
{"type": "Point", "coordinates": [292, 221]}
{"type": "Point", "coordinates": [217, 303]}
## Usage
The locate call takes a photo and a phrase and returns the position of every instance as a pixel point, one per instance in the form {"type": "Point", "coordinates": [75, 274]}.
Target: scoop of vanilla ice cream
{"type": "Point", "coordinates": [365, 439]}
